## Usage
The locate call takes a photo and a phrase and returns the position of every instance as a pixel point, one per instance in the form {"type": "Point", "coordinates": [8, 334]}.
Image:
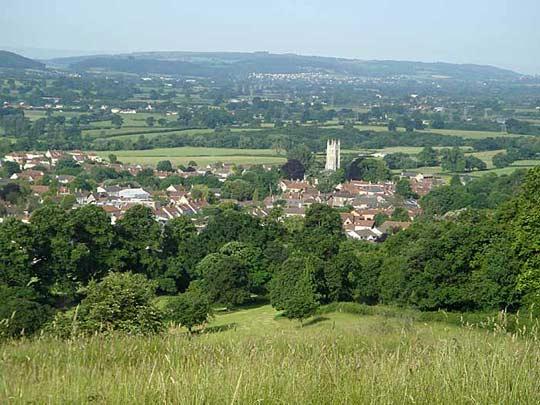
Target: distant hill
{"type": "Point", "coordinates": [209, 64]}
{"type": "Point", "coordinates": [12, 60]}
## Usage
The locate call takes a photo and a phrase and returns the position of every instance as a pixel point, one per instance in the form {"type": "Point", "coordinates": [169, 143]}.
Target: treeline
{"type": "Point", "coordinates": [283, 139]}
{"type": "Point", "coordinates": [472, 260]}
{"type": "Point", "coordinates": [486, 192]}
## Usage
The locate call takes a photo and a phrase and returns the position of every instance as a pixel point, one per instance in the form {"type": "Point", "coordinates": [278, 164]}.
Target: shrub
{"type": "Point", "coordinates": [189, 309]}
{"type": "Point", "coordinates": [120, 302]}
{"type": "Point", "coordinates": [20, 313]}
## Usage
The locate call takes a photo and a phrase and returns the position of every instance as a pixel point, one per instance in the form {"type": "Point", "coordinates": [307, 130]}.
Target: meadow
{"type": "Point", "coordinates": [182, 155]}
{"type": "Point", "coordinates": [253, 356]}
{"type": "Point", "coordinates": [455, 132]}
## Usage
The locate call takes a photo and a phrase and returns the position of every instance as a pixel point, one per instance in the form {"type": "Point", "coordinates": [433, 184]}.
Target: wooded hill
{"type": "Point", "coordinates": [235, 63]}
{"type": "Point", "coordinates": [12, 60]}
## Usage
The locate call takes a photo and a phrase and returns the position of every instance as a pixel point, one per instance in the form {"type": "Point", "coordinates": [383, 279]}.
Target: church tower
{"type": "Point", "coordinates": [333, 154]}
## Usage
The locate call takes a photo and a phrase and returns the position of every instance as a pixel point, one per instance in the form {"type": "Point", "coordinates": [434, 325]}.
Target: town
{"type": "Point", "coordinates": [369, 211]}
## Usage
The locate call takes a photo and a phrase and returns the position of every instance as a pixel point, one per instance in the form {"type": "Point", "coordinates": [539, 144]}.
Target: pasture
{"type": "Point", "coordinates": [202, 156]}
{"type": "Point", "coordinates": [454, 132]}
{"type": "Point", "coordinates": [251, 356]}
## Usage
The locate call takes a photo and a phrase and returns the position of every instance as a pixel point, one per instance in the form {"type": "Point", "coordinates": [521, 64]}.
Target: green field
{"type": "Point", "coordinates": [202, 131]}
{"type": "Point", "coordinates": [202, 156]}
{"type": "Point", "coordinates": [454, 132]}
{"type": "Point", "coordinates": [252, 357]}
{"type": "Point", "coordinates": [134, 132]}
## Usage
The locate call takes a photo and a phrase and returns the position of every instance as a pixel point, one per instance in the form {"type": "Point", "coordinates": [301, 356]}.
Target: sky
{"type": "Point", "coordinates": [502, 33]}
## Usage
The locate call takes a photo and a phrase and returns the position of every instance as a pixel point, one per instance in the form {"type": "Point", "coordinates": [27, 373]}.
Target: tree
{"type": "Point", "coordinates": [150, 121]}
{"type": "Point", "coordinates": [322, 231]}
{"type": "Point", "coordinates": [21, 313]}
{"type": "Point", "coordinates": [368, 169]}
{"type": "Point", "coordinates": [121, 302]}
{"type": "Point", "coordinates": [237, 189]}
{"type": "Point", "coordinates": [438, 123]}
{"type": "Point", "coordinates": [328, 180]}
{"type": "Point", "coordinates": [225, 279]}
{"type": "Point", "coordinates": [400, 214]}
{"type": "Point", "coordinates": [117, 121]}
{"type": "Point", "coordinates": [189, 309]}
{"type": "Point", "coordinates": [293, 170]}
{"type": "Point", "coordinates": [409, 126]}
{"type": "Point", "coordinates": [303, 154]}
{"type": "Point", "coordinates": [403, 188]}
{"type": "Point", "coordinates": [139, 242]}
{"type": "Point", "coordinates": [165, 166]}
{"type": "Point", "coordinates": [17, 253]}
{"type": "Point", "coordinates": [9, 168]}
{"type": "Point", "coordinates": [526, 225]}
{"type": "Point", "coordinates": [501, 160]}
{"type": "Point", "coordinates": [251, 258]}
{"type": "Point", "coordinates": [304, 302]}
{"type": "Point", "coordinates": [473, 162]}
{"type": "Point", "coordinates": [453, 160]}
{"type": "Point", "coordinates": [113, 159]}
{"type": "Point", "coordinates": [91, 238]}
{"type": "Point", "coordinates": [399, 160]}
{"type": "Point", "coordinates": [428, 157]}
{"type": "Point", "coordinates": [392, 126]}
{"type": "Point", "coordinates": [364, 269]}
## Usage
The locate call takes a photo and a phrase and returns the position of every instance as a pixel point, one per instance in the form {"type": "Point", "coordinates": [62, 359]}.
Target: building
{"type": "Point", "coordinates": [333, 154]}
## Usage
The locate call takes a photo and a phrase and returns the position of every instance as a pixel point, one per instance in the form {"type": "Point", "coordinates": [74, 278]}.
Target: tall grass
{"type": "Point", "coordinates": [338, 359]}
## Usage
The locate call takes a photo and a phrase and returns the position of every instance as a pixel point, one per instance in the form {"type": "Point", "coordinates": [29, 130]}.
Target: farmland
{"type": "Point", "coordinates": [183, 155]}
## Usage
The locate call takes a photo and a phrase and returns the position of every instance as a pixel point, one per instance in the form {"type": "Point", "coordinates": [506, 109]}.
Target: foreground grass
{"type": "Point", "coordinates": [250, 356]}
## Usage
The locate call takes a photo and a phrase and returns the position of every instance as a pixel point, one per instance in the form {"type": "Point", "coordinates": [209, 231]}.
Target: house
{"type": "Point", "coordinates": [370, 235]}
{"type": "Point", "coordinates": [42, 162]}
{"type": "Point", "coordinates": [16, 157]}
{"type": "Point", "coordinates": [294, 186]}
{"type": "Point", "coordinates": [341, 198]}
{"type": "Point", "coordinates": [54, 156]}
{"type": "Point", "coordinates": [39, 190]}
{"type": "Point", "coordinates": [114, 213]}
{"type": "Point", "coordinates": [29, 175]}
{"type": "Point", "coordinates": [84, 198]}
{"type": "Point", "coordinates": [294, 212]}
{"type": "Point", "coordinates": [134, 194]}
{"type": "Point", "coordinates": [64, 179]}
{"type": "Point", "coordinates": [393, 226]}
{"type": "Point", "coordinates": [174, 189]}
{"type": "Point", "coordinates": [110, 191]}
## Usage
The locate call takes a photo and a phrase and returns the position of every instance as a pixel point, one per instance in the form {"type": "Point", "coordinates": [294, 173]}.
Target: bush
{"type": "Point", "coordinates": [20, 313]}
{"type": "Point", "coordinates": [189, 309]}
{"type": "Point", "coordinates": [120, 302]}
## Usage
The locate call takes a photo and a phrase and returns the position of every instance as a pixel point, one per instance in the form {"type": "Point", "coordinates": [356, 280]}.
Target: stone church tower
{"type": "Point", "coordinates": [333, 154]}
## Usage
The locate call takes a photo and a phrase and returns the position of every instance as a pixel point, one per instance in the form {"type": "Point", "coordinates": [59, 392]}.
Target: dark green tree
{"type": "Point", "coordinates": [189, 309]}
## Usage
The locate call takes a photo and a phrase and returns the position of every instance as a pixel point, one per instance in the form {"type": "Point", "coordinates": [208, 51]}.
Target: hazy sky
{"type": "Point", "coordinates": [505, 33]}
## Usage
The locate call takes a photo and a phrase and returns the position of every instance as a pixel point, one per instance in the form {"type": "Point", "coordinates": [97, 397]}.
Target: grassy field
{"type": "Point", "coordinates": [454, 132]}
{"type": "Point", "coordinates": [201, 131]}
{"type": "Point", "coordinates": [183, 155]}
{"type": "Point", "coordinates": [252, 357]}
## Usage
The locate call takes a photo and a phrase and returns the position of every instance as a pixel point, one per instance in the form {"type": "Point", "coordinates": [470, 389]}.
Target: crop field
{"type": "Point", "coordinates": [252, 356]}
{"type": "Point", "coordinates": [183, 155]}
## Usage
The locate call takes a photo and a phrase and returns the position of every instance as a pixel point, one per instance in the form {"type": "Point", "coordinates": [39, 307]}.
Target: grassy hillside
{"type": "Point", "coordinates": [250, 356]}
